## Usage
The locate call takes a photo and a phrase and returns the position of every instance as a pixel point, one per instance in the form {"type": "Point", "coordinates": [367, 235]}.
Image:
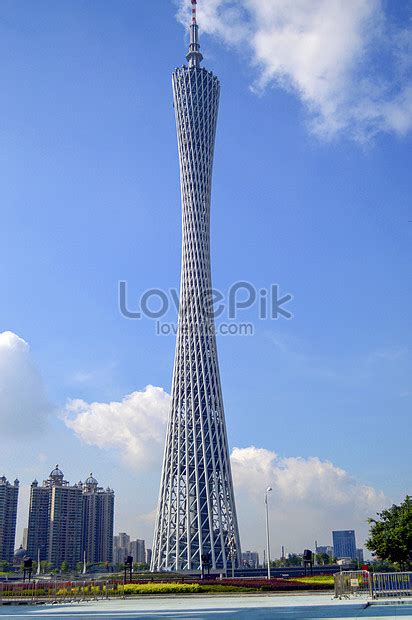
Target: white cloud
{"type": "Point", "coordinates": [345, 60]}
{"type": "Point", "coordinates": [134, 426]}
{"type": "Point", "coordinates": [23, 402]}
{"type": "Point", "coordinates": [310, 497]}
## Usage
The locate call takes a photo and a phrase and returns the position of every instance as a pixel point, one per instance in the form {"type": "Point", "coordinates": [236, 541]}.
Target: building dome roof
{"type": "Point", "coordinates": [20, 553]}
{"type": "Point", "coordinates": [56, 473]}
{"type": "Point", "coordinates": [90, 481]}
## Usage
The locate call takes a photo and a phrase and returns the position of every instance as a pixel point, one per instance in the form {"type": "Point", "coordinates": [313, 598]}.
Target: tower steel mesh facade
{"type": "Point", "coordinates": [196, 519]}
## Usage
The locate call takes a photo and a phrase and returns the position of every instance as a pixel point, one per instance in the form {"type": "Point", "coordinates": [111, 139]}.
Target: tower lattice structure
{"type": "Point", "coordinates": [196, 521]}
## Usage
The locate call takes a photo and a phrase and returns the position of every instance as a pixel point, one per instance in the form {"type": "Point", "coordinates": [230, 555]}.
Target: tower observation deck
{"type": "Point", "coordinates": [196, 522]}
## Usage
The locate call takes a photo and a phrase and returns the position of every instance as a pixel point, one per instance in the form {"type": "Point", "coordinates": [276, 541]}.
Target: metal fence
{"type": "Point", "coordinates": [392, 584]}
{"type": "Point", "coordinates": [375, 585]}
{"type": "Point", "coordinates": [58, 591]}
{"type": "Point", "coordinates": [352, 583]}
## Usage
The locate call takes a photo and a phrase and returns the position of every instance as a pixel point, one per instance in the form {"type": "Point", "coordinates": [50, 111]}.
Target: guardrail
{"type": "Point", "coordinates": [392, 584]}
{"type": "Point", "coordinates": [350, 583]}
{"type": "Point", "coordinates": [375, 585]}
{"type": "Point", "coordinates": [62, 591]}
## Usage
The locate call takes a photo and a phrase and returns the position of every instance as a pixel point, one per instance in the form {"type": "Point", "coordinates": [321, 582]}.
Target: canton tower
{"type": "Point", "coordinates": [196, 524]}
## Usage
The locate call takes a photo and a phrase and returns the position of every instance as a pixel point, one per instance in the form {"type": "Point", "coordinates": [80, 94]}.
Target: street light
{"type": "Point", "coordinates": [232, 553]}
{"type": "Point", "coordinates": [267, 530]}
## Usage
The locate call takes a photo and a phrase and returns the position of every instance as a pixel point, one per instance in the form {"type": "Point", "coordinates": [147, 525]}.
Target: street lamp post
{"type": "Point", "coordinates": [315, 563]}
{"type": "Point", "coordinates": [267, 530]}
{"type": "Point", "coordinates": [232, 553]}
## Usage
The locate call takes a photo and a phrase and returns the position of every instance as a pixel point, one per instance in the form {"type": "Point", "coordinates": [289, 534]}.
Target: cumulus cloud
{"type": "Point", "coordinates": [23, 402]}
{"type": "Point", "coordinates": [310, 497]}
{"type": "Point", "coordinates": [134, 426]}
{"type": "Point", "coordinates": [346, 61]}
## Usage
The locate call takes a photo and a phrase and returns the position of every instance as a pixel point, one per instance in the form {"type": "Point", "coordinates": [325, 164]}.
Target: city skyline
{"type": "Point", "coordinates": [309, 196]}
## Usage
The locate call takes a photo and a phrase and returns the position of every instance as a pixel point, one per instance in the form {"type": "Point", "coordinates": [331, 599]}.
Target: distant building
{"type": "Point", "coordinates": [124, 540]}
{"type": "Point", "coordinates": [65, 521]}
{"type": "Point", "coordinates": [137, 551]}
{"type": "Point", "coordinates": [359, 556]}
{"type": "Point", "coordinates": [325, 550]}
{"type": "Point", "coordinates": [250, 559]}
{"type": "Point", "coordinates": [24, 541]}
{"type": "Point", "coordinates": [9, 494]}
{"type": "Point", "coordinates": [116, 549]}
{"type": "Point", "coordinates": [38, 528]}
{"type": "Point", "coordinates": [344, 544]}
{"type": "Point", "coordinates": [121, 544]}
{"type": "Point", "coordinates": [98, 519]}
{"type": "Point", "coordinates": [344, 561]}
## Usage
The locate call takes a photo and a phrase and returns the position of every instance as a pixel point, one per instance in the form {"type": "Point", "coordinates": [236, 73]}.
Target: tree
{"type": "Point", "coordinates": [45, 566]}
{"type": "Point", "coordinates": [140, 566]}
{"type": "Point", "coordinates": [64, 567]}
{"type": "Point", "coordinates": [276, 563]}
{"type": "Point", "coordinates": [293, 560]}
{"type": "Point", "coordinates": [390, 536]}
{"type": "Point", "coordinates": [323, 559]}
{"type": "Point", "coordinates": [381, 566]}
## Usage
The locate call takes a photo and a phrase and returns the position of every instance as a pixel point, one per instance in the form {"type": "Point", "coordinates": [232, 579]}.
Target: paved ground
{"type": "Point", "coordinates": [249, 607]}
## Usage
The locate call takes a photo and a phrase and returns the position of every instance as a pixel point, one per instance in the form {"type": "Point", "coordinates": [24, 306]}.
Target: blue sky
{"type": "Point", "coordinates": [311, 191]}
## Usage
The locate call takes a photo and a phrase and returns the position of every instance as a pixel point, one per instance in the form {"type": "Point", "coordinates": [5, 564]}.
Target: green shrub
{"type": "Point", "coordinates": [179, 588]}
{"type": "Point", "coordinates": [160, 588]}
{"type": "Point", "coordinates": [324, 579]}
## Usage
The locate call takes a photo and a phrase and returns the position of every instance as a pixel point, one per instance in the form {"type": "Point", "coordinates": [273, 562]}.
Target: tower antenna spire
{"type": "Point", "coordinates": [194, 57]}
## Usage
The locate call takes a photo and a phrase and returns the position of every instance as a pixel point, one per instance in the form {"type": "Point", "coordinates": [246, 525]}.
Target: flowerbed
{"type": "Point", "coordinates": [139, 587]}
{"type": "Point", "coordinates": [160, 588]}
{"type": "Point", "coordinates": [276, 584]}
